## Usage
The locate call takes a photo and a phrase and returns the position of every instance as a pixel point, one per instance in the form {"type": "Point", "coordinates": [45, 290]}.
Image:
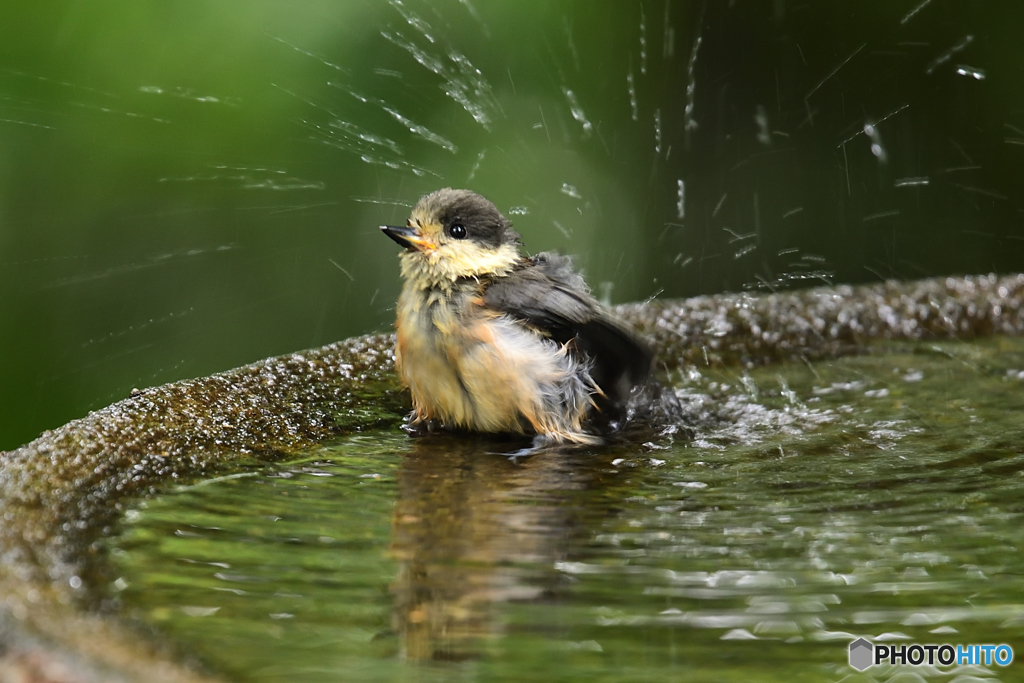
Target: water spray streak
{"type": "Point", "coordinates": [643, 41]}
{"type": "Point", "coordinates": [577, 112]}
{"type": "Point", "coordinates": [912, 13]}
{"type": "Point", "coordinates": [463, 82]}
{"type": "Point", "coordinates": [352, 131]}
{"type": "Point", "coordinates": [409, 124]}
{"type": "Point", "coordinates": [657, 131]}
{"type": "Point", "coordinates": [571, 191]}
{"type": "Point", "coordinates": [413, 20]}
{"type": "Point", "coordinates": [948, 54]}
{"type": "Point", "coordinates": [689, 123]}
{"type": "Point", "coordinates": [317, 57]}
{"type": "Point", "coordinates": [834, 71]}
{"type": "Point", "coordinates": [631, 89]}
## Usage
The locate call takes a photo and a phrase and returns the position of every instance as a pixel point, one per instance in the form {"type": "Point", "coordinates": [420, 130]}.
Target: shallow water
{"type": "Point", "coordinates": [874, 496]}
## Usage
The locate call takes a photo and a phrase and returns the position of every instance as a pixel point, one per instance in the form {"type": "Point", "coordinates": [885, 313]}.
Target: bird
{"type": "Point", "coordinates": [491, 340]}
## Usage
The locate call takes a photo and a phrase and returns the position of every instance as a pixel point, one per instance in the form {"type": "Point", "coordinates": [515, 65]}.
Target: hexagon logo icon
{"type": "Point", "coordinates": [861, 654]}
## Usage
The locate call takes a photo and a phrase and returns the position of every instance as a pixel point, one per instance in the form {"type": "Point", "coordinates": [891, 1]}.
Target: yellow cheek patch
{"type": "Point", "coordinates": [465, 258]}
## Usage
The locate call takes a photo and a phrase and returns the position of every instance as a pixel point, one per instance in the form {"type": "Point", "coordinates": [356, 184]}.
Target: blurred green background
{"type": "Point", "coordinates": [187, 187]}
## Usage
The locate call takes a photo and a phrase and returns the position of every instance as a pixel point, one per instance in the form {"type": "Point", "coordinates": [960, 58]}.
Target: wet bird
{"type": "Point", "coordinates": [490, 340]}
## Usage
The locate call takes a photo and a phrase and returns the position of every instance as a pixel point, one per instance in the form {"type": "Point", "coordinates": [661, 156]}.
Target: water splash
{"type": "Point", "coordinates": [914, 12]}
{"type": "Point", "coordinates": [919, 181]}
{"type": "Point", "coordinates": [28, 123]}
{"type": "Point", "coordinates": [354, 133]}
{"type": "Point", "coordinates": [974, 72]}
{"type": "Point", "coordinates": [188, 94]}
{"type": "Point", "coordinates": [119, 112]}
{"type": "Point", "coordinates": [571, 191]}
{"type": "Point", "coordinates": [462, 82]}
{"type": "Point", "coordinates": [948, 54]}
{"type": "Point", "coordinates": [657, 131]}
{"type": "Point", "coordinates": [476, 164]}
{"type": "Point", "coordinates": [631, 89]}
{"type": "Point", "coordinates": [309, 54]}
{"type": "Point", "coordinates": [877, 149]}
{"type": "Point", "coordinates": [643, 41]}
{"type": "Point", "coordinates": [834, 71]}
{"type": "Point", "coordinates": [876, 124]}
{"type": "Point", "coordinates": [668, 46]}
{"type": "Point", "coordinates": [416, 129]}
{"type": "Point", "coordinates": [764, 135]}
{"type": "Point", "coordinates": [689, 122]}
{"type": "Point", "coordinates": [414, 20]}
{"type": "Point", "coordinates": [248, 178]}
{"type": "Point", "coordinates": [364, 145]}
{"type": "Point", "coordinates": [743, 251]}
{"type": "Point", "coordinates": [577, 112]}
{"type": "Point", "coordinates": [718, 206]}
{"type": "Point", "coordinates": [737, 237]}
{"type": "Point", "coordinates": [880, 215]}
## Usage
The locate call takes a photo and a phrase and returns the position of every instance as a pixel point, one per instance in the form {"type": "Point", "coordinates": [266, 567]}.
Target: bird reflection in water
{"type": "Point", "coordinates": [474, 529]}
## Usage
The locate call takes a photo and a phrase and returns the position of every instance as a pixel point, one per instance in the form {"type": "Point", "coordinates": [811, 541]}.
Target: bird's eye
{"type": "Point", "coordinates": [458, 231]}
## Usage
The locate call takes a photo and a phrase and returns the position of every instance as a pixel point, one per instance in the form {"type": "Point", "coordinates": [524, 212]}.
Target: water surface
{"type": "Point", "coordinates": [874, 496]}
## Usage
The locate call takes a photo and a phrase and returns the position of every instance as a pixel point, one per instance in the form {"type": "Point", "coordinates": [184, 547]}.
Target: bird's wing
{"type": "Point", "coordinates": [548, 295]}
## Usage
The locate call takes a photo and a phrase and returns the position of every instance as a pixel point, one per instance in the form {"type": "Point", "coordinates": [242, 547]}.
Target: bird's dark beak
{"type": "Point", "coordinates": [410, 238]}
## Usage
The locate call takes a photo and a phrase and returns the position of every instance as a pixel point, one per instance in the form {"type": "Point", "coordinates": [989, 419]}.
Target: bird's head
{"type": "Point", "coordinates": [454, 234]}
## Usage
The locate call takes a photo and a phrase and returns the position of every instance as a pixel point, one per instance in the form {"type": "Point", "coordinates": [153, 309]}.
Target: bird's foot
{"type": "Point", "coordinates": [421, 427]}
